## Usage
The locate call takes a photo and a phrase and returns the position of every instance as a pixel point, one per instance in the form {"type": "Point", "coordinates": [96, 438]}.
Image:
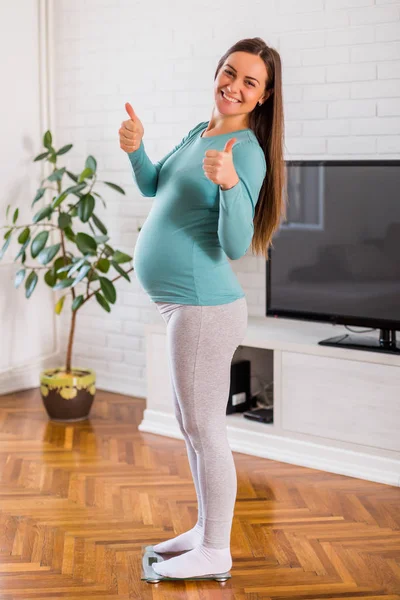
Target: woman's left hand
{"type": "Point", "coordinates": [218, 166]}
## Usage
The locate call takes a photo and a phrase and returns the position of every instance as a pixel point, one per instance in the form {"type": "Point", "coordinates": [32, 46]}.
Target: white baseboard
{"type": "Point", "coordinates": [25, 377]}
{"type": "Point", "coordinates": [295, 452]}
{"type": "Point", "coordinates": [118, 385]}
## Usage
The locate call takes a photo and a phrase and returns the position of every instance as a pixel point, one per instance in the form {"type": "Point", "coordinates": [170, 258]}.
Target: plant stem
{"type": "Point", "coordinates": [70, 341]}
{"type": "Point", "coordinates": [34, 268]}
{"type": "Point", "coordinates": [73, 323]}
{"type": "Point", "coordinates": [73, 316]}
{"type": "Point", "coordinates": [30, 225]}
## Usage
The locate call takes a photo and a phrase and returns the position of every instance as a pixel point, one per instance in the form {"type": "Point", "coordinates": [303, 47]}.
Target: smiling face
{"type": "Point", "coordinates": [242, 77]}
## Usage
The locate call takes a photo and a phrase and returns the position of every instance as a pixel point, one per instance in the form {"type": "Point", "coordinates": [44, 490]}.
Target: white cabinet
{"type": "Point", "coordinates": [335, 409]}
{"type": "Point", "coordinates": [346, 400]}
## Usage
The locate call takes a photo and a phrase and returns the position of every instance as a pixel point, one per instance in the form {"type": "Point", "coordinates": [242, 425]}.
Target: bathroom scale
{"type": "Point", "coordinates": [148, 574]}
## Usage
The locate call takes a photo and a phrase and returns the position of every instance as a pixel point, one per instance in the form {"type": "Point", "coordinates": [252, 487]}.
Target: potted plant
{"type": "Point", "coordinates": [75, 262]}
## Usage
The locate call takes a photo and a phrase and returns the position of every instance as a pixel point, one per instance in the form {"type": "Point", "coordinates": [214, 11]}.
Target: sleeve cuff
{"type": "Point", "coordinates": [231, 188]}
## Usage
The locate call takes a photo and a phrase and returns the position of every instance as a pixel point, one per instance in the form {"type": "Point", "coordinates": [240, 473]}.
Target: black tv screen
{"type": "Point", "coordinates": [337, 256]}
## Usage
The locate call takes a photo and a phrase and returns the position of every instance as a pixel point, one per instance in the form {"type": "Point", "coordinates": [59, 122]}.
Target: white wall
{"type": "Point", "coordinates": [27, 326]}
{"type": "Point", "coordinates": [341, 73]}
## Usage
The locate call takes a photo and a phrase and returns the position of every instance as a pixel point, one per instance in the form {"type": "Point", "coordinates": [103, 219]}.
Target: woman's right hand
{"type": "Point", "coordinates": [131, 132]}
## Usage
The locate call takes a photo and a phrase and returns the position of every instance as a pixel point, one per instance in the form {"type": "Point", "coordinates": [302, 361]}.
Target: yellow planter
{"type": "Point", "coordinates": [68, 396]}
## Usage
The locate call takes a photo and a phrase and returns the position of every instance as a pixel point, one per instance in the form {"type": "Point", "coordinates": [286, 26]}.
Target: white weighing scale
{"type": "Point", "coordinates": [148, 574]}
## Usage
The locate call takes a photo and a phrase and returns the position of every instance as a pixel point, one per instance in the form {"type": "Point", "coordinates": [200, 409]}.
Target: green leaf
{"type": "Point", "coordinates": [76, 266]}
{"type": "Point", "coordinates": [50, 277]}
{"type": "Point", "coordinates": [58, 199]}
{"type": "Point", "coordinates": [8, 233]}
{"type": "Point", "coordinates": [15, 216]}
{"type": "Point", "coordinates": [61, 264]}
{"type": "Point", "coordinates": [67, 282]}
{"type": "Point", "coordinates": [30, 283]}
{"type": "Point", "coordinates": [19, 277]}
{"type": "Point", "coordinates": [90, 274]}
{"type": "Point", "coordinates": [103, 265]}
{"type": "Point", "coordinates": [40, 156]}
{"type": "Point", "coordinates": [93, 276]}
{"type": "Point", "coordinates": [85, 207]}
{"type": "Point", "coordinates": [39, 243]}
{"type": "Point", "coordinates": [24, 235]}
{"type": "Point", "coordinates": [56, 175]}
{"type": "Point", "coordinates": [91, 163]}
{"type": "Point", "coordinates": [64, 149]}
{"type": "Point", "coordinates": [100, 239]}
{"type": "Point", "coordinates": [47, 254]}
{"type": "Point", "coordinates": [120, 270]}
{"type": "Point", "coordinates": [82, 273]}
{"type": "Point", "coordinates": [86, 243]}
{"type": "Point", "coordinates": [39, 195]}
{"type": "Point", "coordinates": [64, 220]}
{"type": "Point", "coordinates": [22, 251]}
{"type": "Point", "coordinates": [121, 257]}
{"type": "Point", "coordinates": [74, 189]}
{"type": "Point", "coordinates": [8, 208]}
{"type": "Point", "coordinates": [4, 248]}
{"type": "Point", "coordinates": [69, 234]}
{"type": "Point", "coordinates": [59, 306]}
{"type": "Point", "coordinates": [101, 198]}
{"type": "Point", "coordinates": [44, 212]}
{"type": "Point", "coordinates": [92, 229]}
{"type": "Point", "coordinates": [99, 224]}
{"type": "Point", "coordinates": [47, 139]}
{"type": "Point", "coordinates": [72, 176]}
{"type": "Point", "coordinates": [108, 250]}
{"type": "Point", "coordinates": [108, 289]}
{"type": "Point", "coordinates": [78, 301]}
{"type": "Point", "coordinates": [85, 173]}
{"type": "Point", "coordinates": [63, 269]}
{"type": "Point", "coordinates": [103, 303]}
{"type": "Point", "coordinates": [114, 186]}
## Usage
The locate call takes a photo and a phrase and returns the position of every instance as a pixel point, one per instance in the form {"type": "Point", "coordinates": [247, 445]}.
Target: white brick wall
{"type": "Point", "coordinates": [341, 75]}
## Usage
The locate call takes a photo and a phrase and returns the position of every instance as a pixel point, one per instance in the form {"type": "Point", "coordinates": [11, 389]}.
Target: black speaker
{"type": "Point", "coordinates": [239, 392]}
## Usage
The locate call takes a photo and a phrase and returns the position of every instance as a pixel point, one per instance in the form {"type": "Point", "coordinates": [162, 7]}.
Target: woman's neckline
{"type": "Point", "coordinates": [220, 134]}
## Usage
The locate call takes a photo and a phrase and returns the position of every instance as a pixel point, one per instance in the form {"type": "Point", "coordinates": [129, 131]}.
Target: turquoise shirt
{"type": "Point", "coordinates": [181, 254]}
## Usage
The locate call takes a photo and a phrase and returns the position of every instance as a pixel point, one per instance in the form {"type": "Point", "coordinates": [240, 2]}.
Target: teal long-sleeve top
{"type": "Point", "coordinates": [193, 227]}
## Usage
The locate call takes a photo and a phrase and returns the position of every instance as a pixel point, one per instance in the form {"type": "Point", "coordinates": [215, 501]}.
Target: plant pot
{"type": "Point", "coordinates": [67, 396]}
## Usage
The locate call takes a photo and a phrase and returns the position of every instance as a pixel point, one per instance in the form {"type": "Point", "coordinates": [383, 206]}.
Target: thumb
{"type": "Point", "coordinates": [130, 111]}
{"type": "Point", "coordinates": [229, 144]}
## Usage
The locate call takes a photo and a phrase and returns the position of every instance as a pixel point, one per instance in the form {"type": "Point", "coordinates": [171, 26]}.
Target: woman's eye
{"type": "Point", "coordinates": [230, 73]}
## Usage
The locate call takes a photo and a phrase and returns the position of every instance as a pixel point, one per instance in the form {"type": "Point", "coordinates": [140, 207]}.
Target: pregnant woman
{"type": "Point", "coordinates": [220, 190]}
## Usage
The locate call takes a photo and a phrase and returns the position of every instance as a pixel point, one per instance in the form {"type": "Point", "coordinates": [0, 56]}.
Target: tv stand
{"type": "Point", "coordinates": [386, 342]}
{"type": "Point", "coordinates": [335, 409]}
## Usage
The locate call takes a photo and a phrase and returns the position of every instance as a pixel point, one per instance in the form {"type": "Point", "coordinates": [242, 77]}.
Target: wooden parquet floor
{"type": "Point", "coordinates": [78, 502]}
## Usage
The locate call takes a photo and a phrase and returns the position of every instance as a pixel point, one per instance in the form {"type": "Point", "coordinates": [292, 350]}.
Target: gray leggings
{"type": "Point", "coordinates": [201, 342]}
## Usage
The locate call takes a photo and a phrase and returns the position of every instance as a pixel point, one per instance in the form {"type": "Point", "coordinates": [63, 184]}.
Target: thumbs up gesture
{"type": "Point", "coordinates": [219, 168]}
{"type": "Point", "coordinates": [131, 131]}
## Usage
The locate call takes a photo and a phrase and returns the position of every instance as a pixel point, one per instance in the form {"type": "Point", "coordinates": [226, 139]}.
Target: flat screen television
{"type": "Point", "coordinates": [336, 257]}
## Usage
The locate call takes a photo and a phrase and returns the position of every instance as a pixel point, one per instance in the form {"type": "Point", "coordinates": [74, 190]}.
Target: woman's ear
{"type": "Point", "coordinates": [266, 96]}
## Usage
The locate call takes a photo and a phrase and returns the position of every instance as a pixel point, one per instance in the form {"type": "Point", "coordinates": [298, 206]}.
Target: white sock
{"type": "Point", "coordinates": [198, 562]}
{"type": "Point", "coordinates": [186, 541]}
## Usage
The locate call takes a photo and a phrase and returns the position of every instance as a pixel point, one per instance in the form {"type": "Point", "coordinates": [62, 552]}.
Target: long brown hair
{"type": "Point", "coordinates": [267, 122]}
